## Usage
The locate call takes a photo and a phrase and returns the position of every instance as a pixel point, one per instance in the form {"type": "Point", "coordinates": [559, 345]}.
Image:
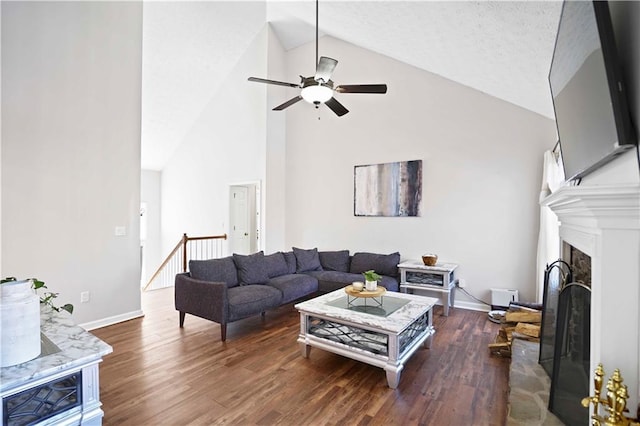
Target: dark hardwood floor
{"type": "Point", "coordinates": [160, 374]}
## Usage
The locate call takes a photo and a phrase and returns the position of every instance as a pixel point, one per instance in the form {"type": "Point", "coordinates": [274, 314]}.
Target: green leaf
{"type": "Point", "coordinates": [37, 284]}
{"type": "Point", "coordinates": [67, 307]}
{"type": "Point", "coordinates": [8, 280]}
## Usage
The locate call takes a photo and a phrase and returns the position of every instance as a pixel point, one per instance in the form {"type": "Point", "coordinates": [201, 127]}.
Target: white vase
{"type": "Point", "coordinates": [20, 323]}
{"type": "Point", "coordinates": [371, 285]}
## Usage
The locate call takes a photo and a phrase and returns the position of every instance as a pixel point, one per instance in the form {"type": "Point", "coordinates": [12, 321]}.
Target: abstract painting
{"type": "Point", "coordinates": [388, 189]}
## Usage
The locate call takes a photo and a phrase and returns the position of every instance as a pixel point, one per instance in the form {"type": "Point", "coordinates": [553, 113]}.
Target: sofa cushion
{"type": "Point", "coordinates": [252, 269]}
{"type": "Point", "coordinates": [333, 280]}
{"type": "Point", "coordinates": [383, 264]}
{"type": "Point", "coordinates": [390, 283]}
{"type": "Point", "coordinates": [291, 261]}
{"type": "Point", "coordinates": [334, 260]}
{"type": "Point", "coordinates": [276, 264]}
{"type": "Point", "coordinates": [217, 270]}
{"type": "Point", "coordinates": [307, 260]}
{"type": "Point", "coordinates": [294, 286]}
{"type": "Point", "coordinates": [252, 299]}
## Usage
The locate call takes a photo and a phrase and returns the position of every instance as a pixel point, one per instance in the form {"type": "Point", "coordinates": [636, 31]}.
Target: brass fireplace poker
{"type": "Point", "coordinates": [615, 403]}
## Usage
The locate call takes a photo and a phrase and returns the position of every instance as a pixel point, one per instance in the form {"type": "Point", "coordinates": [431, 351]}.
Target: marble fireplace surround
{"type": "Point", "coordinates": [603, 221]}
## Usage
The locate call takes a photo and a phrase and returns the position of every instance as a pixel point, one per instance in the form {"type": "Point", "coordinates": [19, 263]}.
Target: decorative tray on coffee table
{"type": "Point", "coordinates": [379, 291]}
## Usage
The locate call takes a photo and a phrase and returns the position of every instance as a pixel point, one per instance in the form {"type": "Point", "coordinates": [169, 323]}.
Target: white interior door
{"type": "Point", "coordinates": [239, 214]}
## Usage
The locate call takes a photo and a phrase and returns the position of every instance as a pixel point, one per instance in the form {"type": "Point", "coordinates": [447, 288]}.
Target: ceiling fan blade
{"type": "Point", "coordinates": [325, 68]}
{"type": "Point", "coordinates": [336, 107]}
{"type": "Point", "coordinates": [362, 88]}
{"type": "Point", "coordinates": [279, 83]}
{"type": "Point", "coordinates": [288, 103]}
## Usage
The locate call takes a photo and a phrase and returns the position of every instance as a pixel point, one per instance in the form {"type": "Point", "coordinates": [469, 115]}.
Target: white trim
{"type": "Point", "coordinates": [597, 207]}
{"type": "Point", "coordinates": [92, 325]}
{"type": "Point", "coordinates": [471, 306]}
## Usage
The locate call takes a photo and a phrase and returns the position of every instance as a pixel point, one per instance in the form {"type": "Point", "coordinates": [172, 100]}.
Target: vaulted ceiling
{"type": "Point", "coordinates": [502, 48]}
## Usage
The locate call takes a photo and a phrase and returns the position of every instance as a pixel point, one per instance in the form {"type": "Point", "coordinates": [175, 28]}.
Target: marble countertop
{"type": "Point", "coordinates": [418, 264]}
{"type": "Point", "coordinates": [395, 322]}
{"type": "Point", "coordinates": [72, 346]}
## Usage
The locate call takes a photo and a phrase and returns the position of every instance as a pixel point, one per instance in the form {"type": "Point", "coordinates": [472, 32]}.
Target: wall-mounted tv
{"type": "Point", "coordinates": [592, 115]}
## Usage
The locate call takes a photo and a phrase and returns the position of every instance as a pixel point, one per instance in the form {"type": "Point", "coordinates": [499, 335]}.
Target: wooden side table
{"type": "Point", "coordinates": [415, 275]}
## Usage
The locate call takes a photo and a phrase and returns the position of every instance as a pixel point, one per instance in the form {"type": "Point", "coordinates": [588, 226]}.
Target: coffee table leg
{"type": "Point", "coordinates": [427, 342]}
{"type": "Point", "coordinates": [305, 350]}
{"type": "Point", "coordinates": [393, 376]}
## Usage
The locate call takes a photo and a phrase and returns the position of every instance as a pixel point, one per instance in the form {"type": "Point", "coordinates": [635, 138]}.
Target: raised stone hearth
{"type": "Point", "coordinates": [528, 387]}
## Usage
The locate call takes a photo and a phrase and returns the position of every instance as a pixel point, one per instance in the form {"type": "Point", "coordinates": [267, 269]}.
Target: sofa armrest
{"type": "Point", "coordinates": [204, 299]}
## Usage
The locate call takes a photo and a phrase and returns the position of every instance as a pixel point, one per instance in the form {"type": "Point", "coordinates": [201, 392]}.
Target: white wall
{"type": "Point", "coordinates": [1, 275]}
{"type": "Point", "coordinates": [71, 151]}
{"type": "Point", "coordinates": [225, 146]}
{"type": "Point", "coordinates": [482, 167]}
{"type": "Point", "coordinates": [274, 223]}
{"type": "Point", "coordinates": [150, 194]}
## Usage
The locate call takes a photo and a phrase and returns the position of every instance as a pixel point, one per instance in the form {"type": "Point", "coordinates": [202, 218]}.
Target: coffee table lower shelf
{"type": "Point", "coordinates": [359, 336]}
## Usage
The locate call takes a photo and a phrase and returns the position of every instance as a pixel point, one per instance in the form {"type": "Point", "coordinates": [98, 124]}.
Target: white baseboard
{"type": "Point", "coordinates": [92, 325]}
{"type": "Point", "coordinates": [472, 306]}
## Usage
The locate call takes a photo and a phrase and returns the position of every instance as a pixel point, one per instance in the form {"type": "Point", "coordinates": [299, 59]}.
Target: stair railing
{"type": "Point", "coordinates": [188, 248]}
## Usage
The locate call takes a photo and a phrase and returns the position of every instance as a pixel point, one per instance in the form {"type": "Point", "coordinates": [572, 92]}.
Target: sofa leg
{"type": "Point", "coordinates": [223, 332]}
{"type": "Point", "coordinates": [182, 315]}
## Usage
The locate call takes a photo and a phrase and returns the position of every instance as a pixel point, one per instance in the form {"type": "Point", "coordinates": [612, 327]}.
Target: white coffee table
{"type": "Point", "coordinates": [384, 336]}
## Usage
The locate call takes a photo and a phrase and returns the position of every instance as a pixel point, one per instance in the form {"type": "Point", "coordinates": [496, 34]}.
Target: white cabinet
{"type": "Point", "coordinates": [415, 275]}
{"type": "Point", "coordinates": [61, 386]}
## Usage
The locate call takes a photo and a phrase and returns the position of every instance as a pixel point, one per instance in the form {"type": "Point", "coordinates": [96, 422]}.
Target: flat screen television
{"type": "Point", "coordinates": [589, 99]}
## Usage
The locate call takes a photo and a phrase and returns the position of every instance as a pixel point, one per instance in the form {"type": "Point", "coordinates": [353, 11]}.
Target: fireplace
{"type": "Point", "coordinates": [603, 222]}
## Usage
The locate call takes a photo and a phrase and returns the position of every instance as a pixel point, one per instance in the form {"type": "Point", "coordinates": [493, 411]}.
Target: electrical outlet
{"type": "Point", "coordinates": [462, 283]}
{"type": "Point", "coordinates": [84, 297]}
{"type": "Point", "coordinates": [120, 231]}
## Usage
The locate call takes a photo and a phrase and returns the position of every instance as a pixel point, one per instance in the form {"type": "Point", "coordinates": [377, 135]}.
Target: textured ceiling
{"type": "Point", "coordinates": [501, 48]}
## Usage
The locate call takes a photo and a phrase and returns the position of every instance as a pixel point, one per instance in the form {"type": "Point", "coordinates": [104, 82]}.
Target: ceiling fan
{"type": "Point", "coordinates": [319, 89]}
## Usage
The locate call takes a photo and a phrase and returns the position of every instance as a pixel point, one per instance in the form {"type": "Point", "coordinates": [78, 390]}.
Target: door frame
{"type": "Point", "coordinates": [255, 212]}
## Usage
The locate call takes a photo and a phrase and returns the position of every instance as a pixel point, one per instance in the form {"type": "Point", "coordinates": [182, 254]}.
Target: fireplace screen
{"type": "Point", "coordinates": [570, 379]}
{"type": "Point", "coordinates": [556, 276]}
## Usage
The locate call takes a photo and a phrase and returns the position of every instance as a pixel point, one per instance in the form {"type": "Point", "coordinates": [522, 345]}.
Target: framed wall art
{"type": "Point", "coordinates": [388, 189]}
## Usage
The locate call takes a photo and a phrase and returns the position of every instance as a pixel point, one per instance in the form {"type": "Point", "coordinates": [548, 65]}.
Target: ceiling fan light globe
{"type": "Point", "coordinates": [317, 94]}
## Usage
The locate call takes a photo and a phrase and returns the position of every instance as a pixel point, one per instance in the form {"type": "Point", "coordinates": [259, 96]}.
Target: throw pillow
{"type": "Point", "coordinates": [291, 261]}
{"type": "Point", "coordinates": [383, 264]}
{"type": "Point", "coordinates": [334, 260]}
{"type": "Point", "coordinates": [307, 260]}
{"type": "Point", "coordinates": [276, 264]}
{"type": "Point", "coordinates": [252, 269]}
{"type": "Point", "coordinates": [216, 270]}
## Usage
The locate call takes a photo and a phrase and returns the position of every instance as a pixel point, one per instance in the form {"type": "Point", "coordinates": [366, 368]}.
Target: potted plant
{"type": "Point", "coordinates": [371, 280]}
{"type": "Point", "coordinates": [20, 319]}
{"type": "Point", "coordinates": [47, 297]}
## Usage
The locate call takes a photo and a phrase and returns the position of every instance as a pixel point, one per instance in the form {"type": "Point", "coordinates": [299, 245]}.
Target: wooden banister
{"type": "Point", "coordinates": [182, 244]}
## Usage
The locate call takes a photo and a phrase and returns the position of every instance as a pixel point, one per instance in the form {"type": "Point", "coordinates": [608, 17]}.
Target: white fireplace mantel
{"type": "Point", "coordinates": [603, 221]}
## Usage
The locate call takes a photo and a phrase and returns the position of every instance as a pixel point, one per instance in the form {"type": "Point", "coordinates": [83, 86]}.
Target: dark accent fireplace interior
{"type": "Point", "coordinates": [580, 263]}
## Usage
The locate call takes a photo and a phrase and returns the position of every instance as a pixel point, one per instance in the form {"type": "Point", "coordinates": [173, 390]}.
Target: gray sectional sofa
{"type": "Point", "coordinates": [238, 286]}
